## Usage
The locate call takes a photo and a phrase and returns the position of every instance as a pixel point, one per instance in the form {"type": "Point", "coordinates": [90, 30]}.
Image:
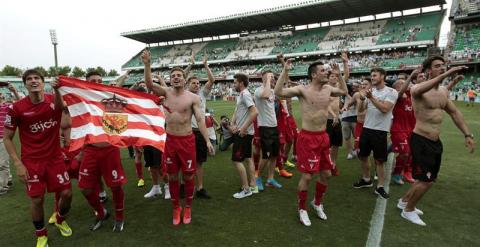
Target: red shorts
{"type": "Point", "coordinates": [400, 143]}
{"type": "Point", "coordinates": [313, 155]}
{"type": "Point", "coordinates": [101, 162]}
{"type": "Point", "coordinates": [48, 174]}
{"type": "Point", "coordinates": [292, 131]}
{"type": "Point", "coordinates": [358, 133]}
{"type": "Point", "coordinates": [180, 152]}
{"type": "Point", "coordinates": [72, 164]}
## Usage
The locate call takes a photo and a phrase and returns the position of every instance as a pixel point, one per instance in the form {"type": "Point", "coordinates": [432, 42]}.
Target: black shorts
{"type": "Point", "coordinates": [152, 156]}
{"type": "Point", "coordinates": [335, 133]}
{"type": "Point", "coordinates": [376, 141]}
{"type": "Point", "coordinates": [269, 141]}
{"type": "Point", "coordinates": [201, 147]}
{"type": "Point", "coordinates": [242, 147]}
{"type": "Point", "coordinates": [426, 158]}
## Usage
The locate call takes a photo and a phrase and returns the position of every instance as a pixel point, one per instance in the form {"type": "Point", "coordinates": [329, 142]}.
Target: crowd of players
{"type": "Point", "coordinates": [332, 113]}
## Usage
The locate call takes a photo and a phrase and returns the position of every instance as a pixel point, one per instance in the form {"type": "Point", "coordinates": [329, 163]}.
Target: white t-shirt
{"type": "Point", "coordinates": [244, 101]}
{"type": "Point", "coordinates": [375, 119]}
{"type": "Point", "coordinates": [266, 108]}
{"type": "Point", "coordinates": [203, 106]}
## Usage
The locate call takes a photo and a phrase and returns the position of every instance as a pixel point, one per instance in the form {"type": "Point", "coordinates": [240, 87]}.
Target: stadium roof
{"type": "Point", "coordinates": [313, 11]}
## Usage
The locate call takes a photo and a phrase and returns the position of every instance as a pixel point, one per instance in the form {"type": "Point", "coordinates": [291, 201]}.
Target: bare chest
{"type": "Point", "coordinates": [433, 100]}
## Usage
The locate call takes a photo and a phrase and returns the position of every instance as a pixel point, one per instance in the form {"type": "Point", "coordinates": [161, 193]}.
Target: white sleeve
{"type": "Point", "coordinates": [392, 96]}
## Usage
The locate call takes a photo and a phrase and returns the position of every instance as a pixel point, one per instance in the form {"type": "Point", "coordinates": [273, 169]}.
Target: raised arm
{"type": "Point", "coordinates": [346, 70]}
{"type": "Point", "coordinates": [405, 86]}
{"type": "Point", "coordinates": [279, 90]}
{"type": "Point", "coordinates": [121, 80]}
{"type": "Point", "coordinates": [455, 81]}
{"type": "Point", "coordinates": [58, 97]}
{"type": "Point", "coordinates": [12, 89]}
{"type": "Point", "coordinates": [459, 121]}
{"type": "Point", "coordinates": [265, 94]}
{"type": "Point", "coordinates": [342, 89]}
{"type": "Point", "coordinates": [157, 89]}
{"type": "Point", "coordinates": [421, 88]}
{"type": "Point", "coordinates": [189, 67]}
{"type": "Point", "coordinates": [211, 78]}
{"type": "Point", "coordinates": [200, 117]}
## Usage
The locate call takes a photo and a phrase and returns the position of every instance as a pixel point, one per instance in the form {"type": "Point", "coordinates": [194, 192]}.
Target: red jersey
{"type": "Point", "coordinates": [3, 115]}
{"type": "Point", "coordinates": [403, 115]}
{"type": "Point", "coordinates": [39, 127]}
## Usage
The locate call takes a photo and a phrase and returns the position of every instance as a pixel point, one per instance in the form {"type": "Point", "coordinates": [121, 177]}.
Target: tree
{"type": "Point", "coordinates": [101, 71]}
{"type": "Point", "coordinates": [112, 72]}
{"type": "Point", "coordinates": [90, 70]}
{"type": "Point", "coordinates": [52, 71]}
{"type": "Point", "coordinates": [65, 70]}
{"type": "Point", "coordinates": [42, 70]}
{"type": "Point", "coordinates": [11, 71]}
{"type": "Point", "coordinates": [78, 72]}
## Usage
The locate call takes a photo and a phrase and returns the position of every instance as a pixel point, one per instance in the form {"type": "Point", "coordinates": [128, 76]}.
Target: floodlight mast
{"type": "Point", "coordinates": [53, 36]}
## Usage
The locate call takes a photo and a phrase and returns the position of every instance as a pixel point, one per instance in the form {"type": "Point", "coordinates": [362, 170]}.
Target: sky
{"type": "Point", "coordinates": [88, 31]}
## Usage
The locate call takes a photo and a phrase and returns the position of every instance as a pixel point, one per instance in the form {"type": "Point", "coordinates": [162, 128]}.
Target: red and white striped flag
{"type": "Point", "coordinates": [110, 114]}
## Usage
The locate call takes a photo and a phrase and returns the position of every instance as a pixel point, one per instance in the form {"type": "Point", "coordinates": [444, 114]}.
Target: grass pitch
{"type": "Point", "coordinates": [270, 218]}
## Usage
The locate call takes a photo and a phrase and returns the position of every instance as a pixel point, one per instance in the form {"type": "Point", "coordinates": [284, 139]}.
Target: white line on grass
{"type": "Point", "coordinates": [376, 223]}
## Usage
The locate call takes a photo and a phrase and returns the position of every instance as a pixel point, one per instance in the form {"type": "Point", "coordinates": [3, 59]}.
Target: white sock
{"type": "Point", "coordinates": [156, 187]}
{"type": "Point", "coordinates": [102, 194]}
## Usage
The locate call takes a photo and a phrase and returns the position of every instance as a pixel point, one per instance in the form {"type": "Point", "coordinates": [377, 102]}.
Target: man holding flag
{"type": "Point", "coordinates": [105, 118]}
{"type": "Point", "coordinates": [180, 152]}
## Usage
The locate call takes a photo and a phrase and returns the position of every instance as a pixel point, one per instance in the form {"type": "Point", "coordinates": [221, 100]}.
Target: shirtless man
{"type": "Point", "coordinates": [313, 155]}
{"type": "Point", "coordinates": [429, 101]}
{"type": "Point", "coordinates": [180, 145]}
{"type": "Point", "coordinates": [334, 126]}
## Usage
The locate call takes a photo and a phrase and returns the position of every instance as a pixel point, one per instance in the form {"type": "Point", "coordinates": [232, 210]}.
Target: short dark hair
{"type": "Point", "coordinates": [222, 117]}
{"type": "Point", "coordinates": [312, 68]}
{"type": "Point", "coordinates": [379, 70]}
{"type": "Point", "coordinates": [192, 77]}
{"type": "Point", "coordinates": [241, 77]}
{"type": "Point", "coordinates": [31, 72]}
{"type": "Point", "coordinates": [177, 69]}
{"type": "Point", "coordinates": [92, 73]}
{"type": "Point", "coordinates": [427, 63]}
{"type": "Point", "coordinates": [266, 71]}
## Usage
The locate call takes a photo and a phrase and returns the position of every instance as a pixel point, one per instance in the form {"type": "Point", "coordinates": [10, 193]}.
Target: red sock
{"type": "Point", "coordinates": [319, 192]}
{"type": "Point", "coordinates": [57, 199]}
{"type": "Point", "coordinates": [399, 165]}
{"type": "Point", "coordinates": [294, 151]}
{"type": "Point", "coordinates": [119, 202]}
{"type": "Point", "coordinates": [60, 218]}
{"type": "Point", "coordinates": [302, 198]}
{"type": "Point", "coordinates": [279, 163]}
{"type": "Point", "coordinates": [174, 187]}
{"type": "Point", "coordinates": [95, 203]}
{"type": "Point", "coordinates": [139, 170]}
{"type": "Point", "coordinates": [189, 187]}
{"type": "Point", "coordinates": [256, 159]}
{"type": "Point", "coordinates": [42, 232]}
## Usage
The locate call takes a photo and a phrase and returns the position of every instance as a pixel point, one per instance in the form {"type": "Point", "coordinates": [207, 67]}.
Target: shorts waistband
{"type": "Point", "coordinates": [308, 132]}
{"type": "Point", "coordinates": [425, 138]}
{"type": "Point", "coordinates": [180, 137]}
